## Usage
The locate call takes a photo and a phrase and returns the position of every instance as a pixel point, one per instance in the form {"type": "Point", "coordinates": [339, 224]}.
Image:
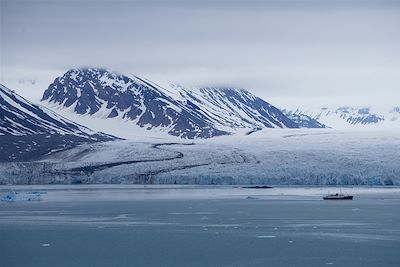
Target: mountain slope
{"type": "Point", "coordinates": [187, 113]}
{"type": "Point", "coordinates": [28, 131]}
{"type": "Point", "coordinates": [234, 108]}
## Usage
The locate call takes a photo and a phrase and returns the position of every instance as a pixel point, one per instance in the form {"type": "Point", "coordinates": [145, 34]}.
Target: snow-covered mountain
{"type": "Point", "coordinates": [28, 131]}
{"type": "Point", "coordinates": [353, 117]}
{"type": "Point", "coordinates": [187, 113]}
{"type": "Point", "coordinates": [205, 112]}
{"type": "Point", "coordinates": [109, 95]}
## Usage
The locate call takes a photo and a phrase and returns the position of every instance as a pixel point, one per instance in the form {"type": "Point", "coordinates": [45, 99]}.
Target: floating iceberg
{"type": "Point", "coordinates": [13, 196]}
{"type": "Point", "coordinates": [10, 196]}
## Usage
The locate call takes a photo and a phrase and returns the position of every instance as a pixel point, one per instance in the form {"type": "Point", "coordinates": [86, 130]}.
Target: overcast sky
{"type": "Point", "coordinates": [288, 52]}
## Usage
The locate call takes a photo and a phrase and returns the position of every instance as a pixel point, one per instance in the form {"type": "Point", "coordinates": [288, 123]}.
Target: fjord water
{"type": "Point", "coordinates": [200, 226]}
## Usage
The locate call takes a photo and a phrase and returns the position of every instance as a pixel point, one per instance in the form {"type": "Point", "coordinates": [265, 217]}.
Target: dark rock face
{"type": "Point", "coordinates": [28, 131]}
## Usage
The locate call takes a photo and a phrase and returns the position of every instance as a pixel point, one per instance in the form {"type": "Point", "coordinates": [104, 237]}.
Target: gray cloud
{"type": "Point", "coordinates": [288, 51]}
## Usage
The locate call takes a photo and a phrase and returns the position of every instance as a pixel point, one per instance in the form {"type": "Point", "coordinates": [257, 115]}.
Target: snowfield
{"type": "Point", "coordinates": [273, 156]}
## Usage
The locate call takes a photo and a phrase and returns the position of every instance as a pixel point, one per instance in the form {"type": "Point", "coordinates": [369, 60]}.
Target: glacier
{"type": "Point", "coordinates": [273, 157]}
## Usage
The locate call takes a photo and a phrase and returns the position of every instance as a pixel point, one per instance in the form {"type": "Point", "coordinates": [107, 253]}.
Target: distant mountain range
{"type": "Point", "coordinates": [351, 117]}
{"type": "Point", "coordinates": [187, 113]}
{"type": "Point", "coordinates": [28, 131]}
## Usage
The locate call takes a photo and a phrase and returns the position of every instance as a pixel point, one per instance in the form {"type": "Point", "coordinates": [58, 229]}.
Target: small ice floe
{"type": "Point", "coordinates": [121, 216]}
{"type": "Point", "coordinates": [13, 196]}
{"type": "Point", "coordinates": [329, 263]}
{"type": "Point", "coordinates": [193, 213]}
{"type": "Point", "coordinates": [266, 236]}
{"type": "Point", "coordinates": [290, 241]}
{"type": "Point", "coordinates": [9, 196]}
{"type": "Point", "coordinates": [46, 245]}
{"type": "Point", "coordinates": [37, 192]}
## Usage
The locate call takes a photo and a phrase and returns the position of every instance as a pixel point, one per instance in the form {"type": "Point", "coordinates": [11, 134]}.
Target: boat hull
{"type": "Point", "coordinates": [338, 198]}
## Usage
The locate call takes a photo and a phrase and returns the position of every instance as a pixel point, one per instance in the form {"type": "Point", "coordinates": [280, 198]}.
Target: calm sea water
{"type": "Point", "coordinates": [200, 226]}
